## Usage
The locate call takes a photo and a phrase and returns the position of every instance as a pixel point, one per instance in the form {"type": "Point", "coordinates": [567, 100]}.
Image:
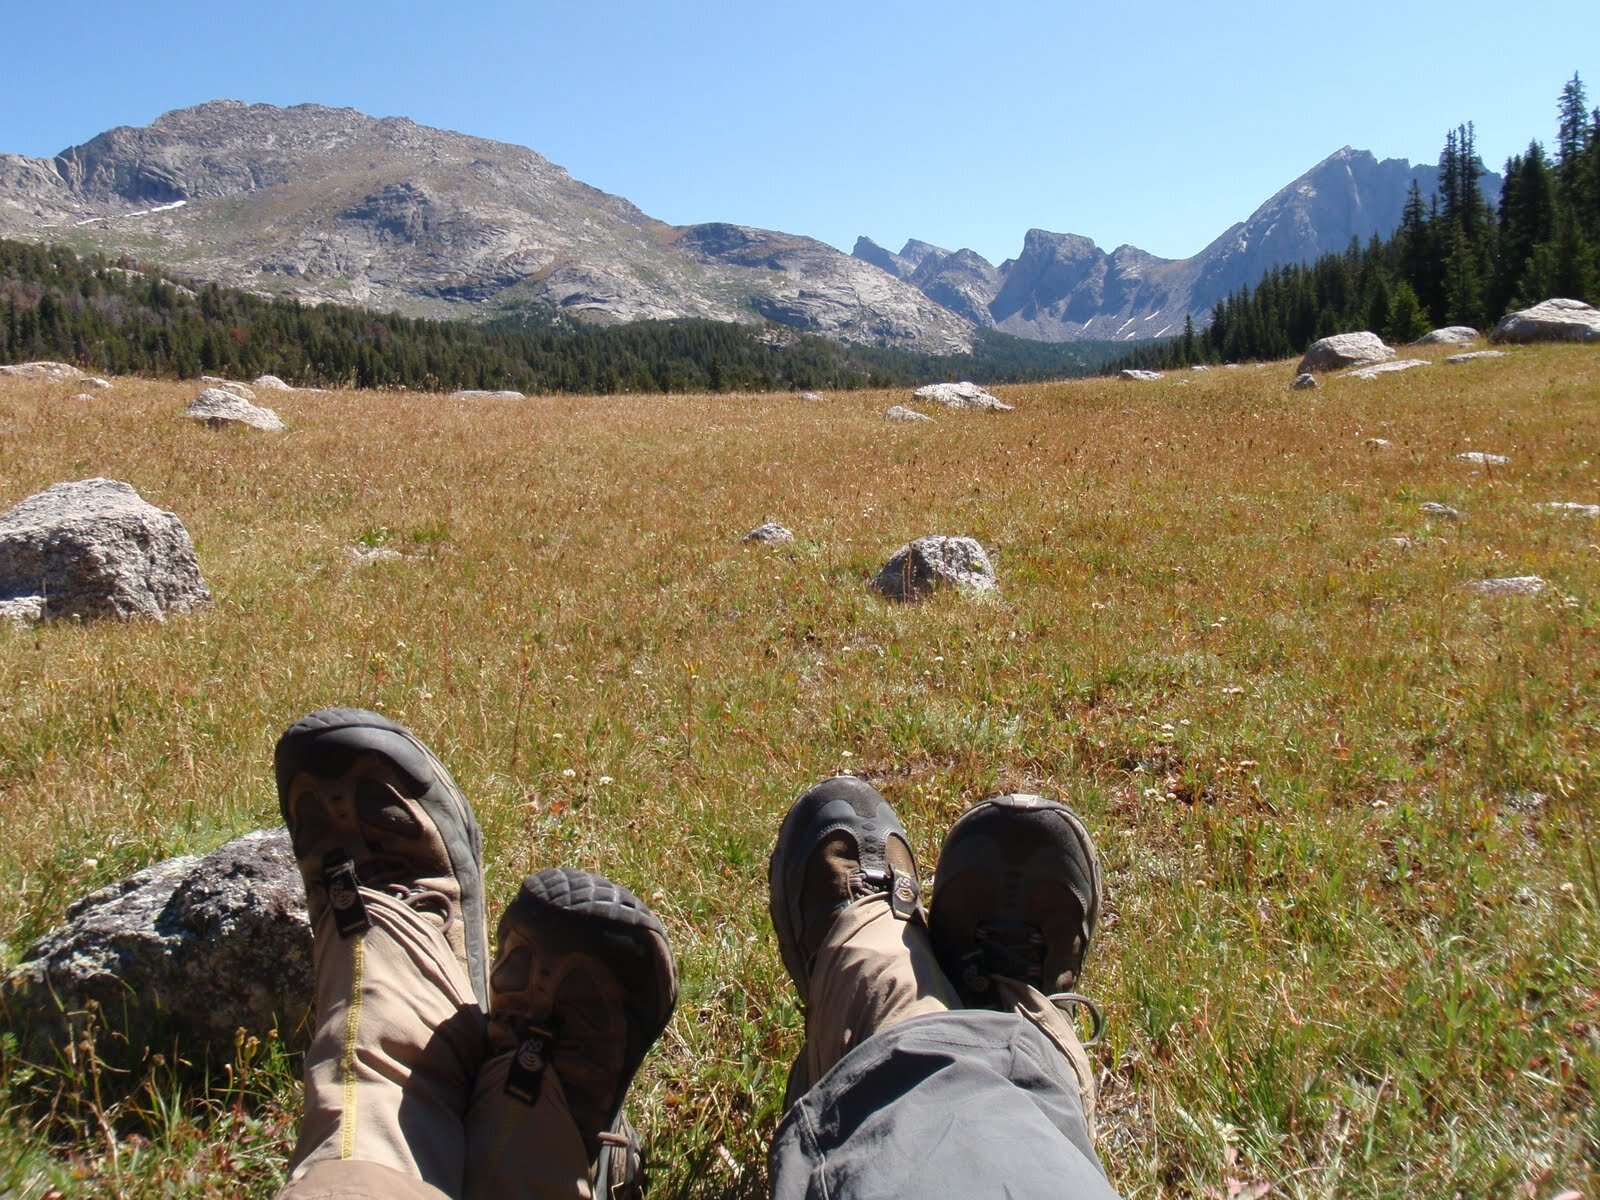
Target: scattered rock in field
{"type": "Point", "coordinates": [899, 412]}
{"type": "Point", "coordinates": [83, 396]}
{"type": "Point", "coordinates": [1444, 512]}
{"type": "Point", "coordinates": [94, 381]}
{"type": "Point", "coordinates": [94, 548]}
{"type": "Point", "coordinates": [961, 395]}
{"type": "Point", "coordinates": [933, 563]}
{"type": "Point", "coordinates": [1400, 543]}
{"type": "Point", "coordinates": [22, 610]}
{"type": "Point", "coordinates": [1303, 381]}
{"type": "Point", "coordinates": [1376, 443]}
{"type": "Point", "coordinates": [192, 948]}
{"type": "Point", "coordinates": [1515, 585]}
{"type": "Point", "coordinates": [769, 532]}
{"type": "Point", "coordinates": [1200, 367]}
{"type": "Point", "coordinates": [271, 383]}
{"type": "Point", "coordinates": [1372, 372]}
{"type": "Point", "coordinates": [1482, 459]}
{"type": "Point", "coordinates": [1552, 321]}
{"type": "Point", "coordinates": [1473, 355]}
{"type": "Point", "coordinates": [1450, 335]}
{"type": "Point", "coordinates": [1527, 803]}
{"type": "Point", "coordinates": [362, 555]}
{"type": "Point", "coordinates": [1140, 376]}
{"type": "Point", "coordinates": [1345, 350]}
{"type": "Point", "coordinates": [53, 372]}
{"type": "Point", "coordinates": [218, 407]}
{"type": "Point", "coordinates": [475, 394]}
{"type": "Point", "coordinates": [811, 395]}
{"type": "Point", "coordinates": [1569, 508]}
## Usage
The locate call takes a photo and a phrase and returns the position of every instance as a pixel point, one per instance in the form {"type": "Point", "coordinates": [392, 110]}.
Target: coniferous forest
{"type": "Point", "coordinates": [119, 317]}
{"type": "Point", "coordinates": [1455, 260]}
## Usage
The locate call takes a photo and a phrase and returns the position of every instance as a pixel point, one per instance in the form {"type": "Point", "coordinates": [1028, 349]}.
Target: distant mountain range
{"type": "Point", "coordinates": [331, 205]}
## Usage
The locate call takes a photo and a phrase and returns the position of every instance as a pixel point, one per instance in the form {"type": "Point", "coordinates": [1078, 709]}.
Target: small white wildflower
{"type": "Point", "coordinates": [569, 773]}
{"type": "Point", "coordinates": [605, 779]}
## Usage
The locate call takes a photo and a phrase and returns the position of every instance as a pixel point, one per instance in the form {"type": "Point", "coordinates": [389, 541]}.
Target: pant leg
{"type": "Point", "coordinates": [962, 1103]}
{"type": "Point", "coordinates": [357, 1180]}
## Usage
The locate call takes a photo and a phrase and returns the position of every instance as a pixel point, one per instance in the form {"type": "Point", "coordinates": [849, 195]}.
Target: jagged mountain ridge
{"type": "Point", "coordinates": [1063, 287]}
{"type": "Point", "coordinates": [332, 205]}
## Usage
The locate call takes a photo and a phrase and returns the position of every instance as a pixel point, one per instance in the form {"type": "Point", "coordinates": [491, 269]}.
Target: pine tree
{"type": "Point", "coordinates": [1571, 136]}
{"type": "Point", "coordinates": [1405, 321]}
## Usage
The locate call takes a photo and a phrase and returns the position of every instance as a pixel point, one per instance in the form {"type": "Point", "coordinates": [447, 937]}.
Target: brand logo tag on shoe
{"type": "Point", "coordinates": [344, 897]}
{"type": "Point", "coordinates": [525, 1076]}
{"type": "Point", "coordinates": [903, 892]}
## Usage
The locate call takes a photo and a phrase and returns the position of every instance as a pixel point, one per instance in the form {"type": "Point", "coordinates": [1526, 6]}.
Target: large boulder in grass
{"type": "Point", "coordinates": [52, 372]}
{"type": "Point", "coordinates": [1450, 335]}
{"type": "Point", "coordinates": [1345, 350]}
{"type": "Point", "coordinates": [190, 949]}
{"type": "Point", "coordinates": [961, 395]}
{"type": "Point", "coordinates": [219, 407]}
{"type": "Point", "coordinates": [1552, 321]}
{"type": "Point", "coordinates": [95, 548]}
{"type": "Point", "coordinates": [933, 563]}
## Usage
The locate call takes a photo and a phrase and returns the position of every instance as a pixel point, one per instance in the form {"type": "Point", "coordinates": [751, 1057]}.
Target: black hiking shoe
{"type": "Point", "coordinates": [368, 805]}
{"type": "Point", "coordinates": [841, 841]}
{"type": "Point", "coordinates": [1017, 896]}
{"type": "Point", "coordinates": [583, 984]}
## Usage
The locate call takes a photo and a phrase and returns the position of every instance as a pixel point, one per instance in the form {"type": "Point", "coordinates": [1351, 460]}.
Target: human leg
{"type": "Point", "coordinates": [390, 854]}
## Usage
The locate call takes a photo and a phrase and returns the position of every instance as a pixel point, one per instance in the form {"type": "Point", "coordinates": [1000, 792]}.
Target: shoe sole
{"type": "Point", "coordinates": [1001, 884]}
{"type": "Point", "coordinates": [562, 909]}
{"type": "Point", "coordinates": [324, 744]}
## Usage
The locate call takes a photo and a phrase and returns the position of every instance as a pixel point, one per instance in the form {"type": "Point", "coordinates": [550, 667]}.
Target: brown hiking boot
{"type": "Point", "coordinates": [1017, 895]}
{"type": "Point", "coordinates": [583, 984]}
{"type": "Point", "coordinates": [840, 842]}
{"type": "Point", "coordinates": [369, 806]}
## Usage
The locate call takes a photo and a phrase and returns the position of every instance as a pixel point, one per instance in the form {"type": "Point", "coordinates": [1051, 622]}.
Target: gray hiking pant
{"type": "Point", "coordinates": [960, 1103]}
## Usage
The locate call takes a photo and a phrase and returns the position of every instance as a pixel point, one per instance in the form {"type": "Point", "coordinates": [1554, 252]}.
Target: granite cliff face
{"type": "Point", "coordinates": [1063, 287]}
{"type": "Point", "coordinates": [331, 205]}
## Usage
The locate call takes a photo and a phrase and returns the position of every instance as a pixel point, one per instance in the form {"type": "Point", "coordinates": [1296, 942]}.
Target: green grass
{"type": "Point", "coordinates": [1347, 807]}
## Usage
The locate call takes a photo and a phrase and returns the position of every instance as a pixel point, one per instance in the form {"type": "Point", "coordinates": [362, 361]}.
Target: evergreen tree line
{"type": "Point", "coordinates": [1454, 260]}
{"type": "Point", "coordinates": [117, 317]}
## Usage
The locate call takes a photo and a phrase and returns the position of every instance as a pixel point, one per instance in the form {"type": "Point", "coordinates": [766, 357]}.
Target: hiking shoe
{"type": "Point", "coordinates": [583, 984]}
{"type": "Point", "coordinates": [840, 842]}
{"type": "Point", "coordinates": [369, 806]}
{"type": "Point", "coordinates": [1016, 896]}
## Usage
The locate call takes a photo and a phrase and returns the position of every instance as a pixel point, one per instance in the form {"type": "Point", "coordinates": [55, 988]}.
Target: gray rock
{"type": "Point", "coordinates": [1482, 459]}
{"type": "Point", "coordinates": [1450, 335]}
{"type": "Point", "coordinates": [94, 548]}
{"type": "Point", "coordinates": [22, 610]}
{"type": "Point", "coordinates": [1474, 355]}
{"type": "Point", "coordinates": [476, 394]}
{"type": "Point", "coordinates": [1345, 350]}
{"type": "Point", "coordinates": [1515, 585]}
{"type": "Point", "coordinates": [94, 381]}
{"type": "Point", "coordinates": [1552, 321]}
{"type": "Point", "coordinates": [811, 395]}
{"type": "Point", "coordinates": [53, 372]}
{"type": "Point", "coordinates": [1444, 512]}
{"type": "Point", "coordinates": [1569, 508]}
{"type": "Point", "coordinates": [271, 383]}
{"type": "Point", "coordinates": [1304, 380]}
{"type": "Point", "coordinates": [362, 555]}
{"type": "Point", "coordinates": [228, 385]}
{"type": "Point", "coordinates": [192, 948]}
{"type": "Point", "coordinates": [899, 412]}
{"type": "Point", "coordinates": [83, 396]}
{"type": "Point", "coordinates": [769, 532]}
{"type": "Point", "coordinates": [1376, 443]}
{"type": "Point", "coordinates": [1140, 376]}
{"type": "Point", "coordinates": [1200, 367]}
{"type": "Point", "coordinates": [218, 407]}
{"type": "Point", "coordinates": [933, 563]}
{"type": "Point", "coordinates": [961, 395]}
{"type": "Point", "coordinates": [1372, 372]}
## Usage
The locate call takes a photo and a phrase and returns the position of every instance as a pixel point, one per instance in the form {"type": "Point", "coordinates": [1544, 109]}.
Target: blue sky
{"type": "Point", "coordinates": [1156, 124]}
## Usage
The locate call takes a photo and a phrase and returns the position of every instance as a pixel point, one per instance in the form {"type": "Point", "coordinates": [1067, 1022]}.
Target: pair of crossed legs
{"type": "Point", "coordinates": [935, 1061]}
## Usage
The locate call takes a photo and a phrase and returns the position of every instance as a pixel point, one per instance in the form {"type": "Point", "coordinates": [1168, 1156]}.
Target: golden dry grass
{"type": "Point", "coordinates": [1346, 805]}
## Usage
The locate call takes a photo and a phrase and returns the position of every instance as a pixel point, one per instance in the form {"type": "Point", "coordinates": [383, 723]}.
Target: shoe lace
{"type": "Point", "coordinates": [1015, 950]}
{"type": "Point", "coordinates": [389, 874]}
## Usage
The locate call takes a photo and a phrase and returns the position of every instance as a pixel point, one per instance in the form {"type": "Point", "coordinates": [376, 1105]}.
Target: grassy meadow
{"type": "Point", "coordinates": [1346, 804]}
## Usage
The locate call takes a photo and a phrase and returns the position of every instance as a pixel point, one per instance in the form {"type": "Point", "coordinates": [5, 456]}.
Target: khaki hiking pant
{"type": "Point", "coordinates": [401, 1102]}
